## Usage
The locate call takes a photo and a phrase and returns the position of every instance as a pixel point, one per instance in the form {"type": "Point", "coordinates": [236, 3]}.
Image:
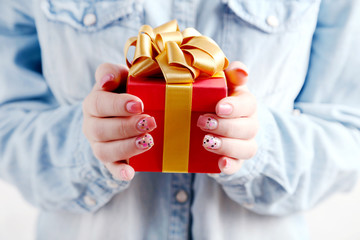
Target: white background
{"type": "Point", "coordinates": [338, 218]}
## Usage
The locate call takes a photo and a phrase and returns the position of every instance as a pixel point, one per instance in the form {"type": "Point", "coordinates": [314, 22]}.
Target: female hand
{"type": "Point", "coordinates": [232, 130]}
{"type": "Point", "coordinates": [114, 123]}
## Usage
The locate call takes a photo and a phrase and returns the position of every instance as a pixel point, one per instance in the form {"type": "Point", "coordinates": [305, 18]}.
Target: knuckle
{"type": "Point", "coordinates": [120, 152]}
{"type": "Point", "coordinates": [253, 129]}
{"type": "Point", "coordinates": [229, 130]}
{"type": "Point", "coordinates": [97, 103]}
{"type": "Point", "coordinates": [122, 130]}
{"type": "Point", "coordinates": [116, 105]}
{"type": "Point", "coordinates": [252, 149]}
{"type": "Point", "coordinates": [98, 132]}
{"type": "Point", "coordinates": [99, 152]}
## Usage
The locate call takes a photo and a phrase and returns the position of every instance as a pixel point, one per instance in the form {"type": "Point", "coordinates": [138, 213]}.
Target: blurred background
{"type": "Point", "coordinates": [336, 218]}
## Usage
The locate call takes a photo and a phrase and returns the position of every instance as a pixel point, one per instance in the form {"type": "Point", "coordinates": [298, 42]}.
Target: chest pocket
{"type": "Point", "coordinates": [91, 16]}
{"type": "Point", "coordinates": [273, 38]}
{"type": "Point", "coordinates": [78, 35]}
{"type": "Point", "coordinates": [272, 16]}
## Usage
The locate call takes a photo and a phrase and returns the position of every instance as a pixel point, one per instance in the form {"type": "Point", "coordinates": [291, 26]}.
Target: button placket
{"type": "Point", "coordinates": [180, 206]}
{"type": "Point", "coordinates": [181, 196]}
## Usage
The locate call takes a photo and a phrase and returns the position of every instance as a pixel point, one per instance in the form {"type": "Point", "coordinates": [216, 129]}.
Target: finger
{"type": "Point", "coordinates": [108, 104]}
{"type": "Point", "coordinates": [236, 75]}
{"type": "Point", "coordinates": [229, 165]}
{"type": "Point", "coordinates": [243, 105]}
{"type": "Point", "coordinates": [230, 147]}
{"type": "Point", "coordinates": [122, 149]}
{"type": "Point", "coordinates": [241, 128]}
{"type": "Point", "coordinates": [110, 76]}
{"type": "Point", "coordinates": [117, 128]}
{"type": "Point", "coordinates": [121, 170]}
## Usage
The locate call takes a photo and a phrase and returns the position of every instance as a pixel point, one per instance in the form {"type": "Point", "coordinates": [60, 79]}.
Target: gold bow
{"type": "Point", "coordinates": [180, 56]}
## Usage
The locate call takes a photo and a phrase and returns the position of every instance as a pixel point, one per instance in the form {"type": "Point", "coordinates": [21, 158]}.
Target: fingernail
{"type": "Point", "coordinates": [206, 122]}
{"type": "Point", "coordinates": [146, 124]}
{"type": "Point", "coordinates": [134, 107]}
{"type": "Point", "coordinates": [211, 142]}
{"type": "Point", "coordinates": [107, 80]}
{"type": "Point", "coordinates": [127, 174]}
{"type": "Point", "coordinates": [144, 142]}
{"type": "Point", "coordinates": [225, 163]}
{"type": "Point", "coordinates": [243, 70]}
{"type": "Point", "coordinates": [224, 109]}
{"type": "Point", "coordinates": [124, 175]}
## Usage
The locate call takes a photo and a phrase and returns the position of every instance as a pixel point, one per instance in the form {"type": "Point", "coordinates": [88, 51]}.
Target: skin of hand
{"type": "Point", "coordinates": [234, 126]}
{"type": "Point", "coordinates": [113, 122]}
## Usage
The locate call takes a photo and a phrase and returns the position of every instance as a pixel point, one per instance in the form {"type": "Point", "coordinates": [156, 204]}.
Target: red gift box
{"type": "Point", "coordinates": [206, 92]}
{"type": "Point", "coordinates": [192, 83]}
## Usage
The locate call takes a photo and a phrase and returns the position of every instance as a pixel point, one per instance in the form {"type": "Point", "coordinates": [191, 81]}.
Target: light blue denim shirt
{"type": "Point", "coordinates": [302, 54]}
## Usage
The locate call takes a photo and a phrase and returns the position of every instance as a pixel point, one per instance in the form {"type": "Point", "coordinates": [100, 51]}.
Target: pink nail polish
{"type": "Point", "coordinates": [144, 142]}
{"type": "Point", "coordinates": [226, 163]}
{"type": "Point", "coordinates": [208, 123]}
{"type": "Point", "coordinates": [211, 142]}
{"type": "Point", "coordinates": [124, 175]}
{"type": "Point", "coordinates": [134, 107]}
{"type": "Point", "coordinates": [224, 109]}
{"type": "Point", "coordinates": [107, 80]}
{"type": "Point", "coordinates": [146, 124]}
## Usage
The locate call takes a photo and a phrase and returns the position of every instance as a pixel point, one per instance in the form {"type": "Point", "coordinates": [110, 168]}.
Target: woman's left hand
{"type": "Point", "coordinates": [231, 132]}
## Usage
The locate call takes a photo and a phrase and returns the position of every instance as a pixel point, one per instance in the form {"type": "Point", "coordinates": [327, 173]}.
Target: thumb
{"type": "Point", "coordinates": [236, 76]}
{"type": "Point", "coordinates": [110, 77]}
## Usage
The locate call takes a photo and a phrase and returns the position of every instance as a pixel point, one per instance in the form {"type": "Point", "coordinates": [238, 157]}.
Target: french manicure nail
{"type": "Point", "coordinates": [146, 124]}
{"type": "Point", "coordinates": [211, 142]}
{"type": "Point", "coordinates": [225, 109]}
{"type": "Point", "coordinates": [208, 123]}
{"type": "Point", "coordinates": [134, 107]}
{"type": "Point", "coordinates": [144, 142]}
{"type": "Point", "coordinates": [107, 80]}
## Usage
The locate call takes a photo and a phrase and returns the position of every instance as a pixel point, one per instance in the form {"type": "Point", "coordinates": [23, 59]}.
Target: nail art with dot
{"type": "Point", "coordinates": [211, 142]}
{"type": "Point", "coordinates": [146, 124]}
{"type": "Point", "coordinates": [144, 142]}
{"type": "Point", "coordinates": [211, 123]}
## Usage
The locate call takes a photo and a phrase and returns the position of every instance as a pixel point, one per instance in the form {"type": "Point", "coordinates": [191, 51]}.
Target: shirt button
{"type": "Point", "coordinates": [89, 19]}
{"type": "Point", "coordinates": [272, 21]}
{"type": "Point", "coordinates": [89, 201]}
{"type": "Point", "coordinates": [181, 196]}
{"type": "Point", "coordinates": [296, 112]}
{"type": "Point", "coordinates": [111, 184]}
{"type": "Point", "coordinates": [248, 205]}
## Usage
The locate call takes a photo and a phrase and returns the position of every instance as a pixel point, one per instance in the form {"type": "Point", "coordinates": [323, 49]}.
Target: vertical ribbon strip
{"type": "Point", "coordinates": [177, 127]}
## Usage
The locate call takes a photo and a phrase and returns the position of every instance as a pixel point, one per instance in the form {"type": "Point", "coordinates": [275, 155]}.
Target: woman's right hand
{"type": "Point", "coordinates": [114, 123]}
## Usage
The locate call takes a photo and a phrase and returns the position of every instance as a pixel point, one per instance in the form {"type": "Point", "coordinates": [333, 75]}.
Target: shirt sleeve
{"type": "Point", "coordinates": [43, 151]}
{"type": "Point", "coordinates": [304, 158]}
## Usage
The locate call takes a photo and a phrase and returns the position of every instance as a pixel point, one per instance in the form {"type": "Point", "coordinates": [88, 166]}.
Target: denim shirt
{"type": "Point", "coordinates": [303, 57]}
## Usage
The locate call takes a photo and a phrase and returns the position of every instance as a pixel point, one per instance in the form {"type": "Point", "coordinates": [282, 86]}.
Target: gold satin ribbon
{"type": "Point", "coordinates": [180, 57]}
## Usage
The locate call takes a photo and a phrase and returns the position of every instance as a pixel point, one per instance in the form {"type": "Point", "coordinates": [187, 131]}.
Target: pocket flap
{"type": "Point", "coordinates": [74, 12]}
{"type": "Point", "coordinates": [271, 16]}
